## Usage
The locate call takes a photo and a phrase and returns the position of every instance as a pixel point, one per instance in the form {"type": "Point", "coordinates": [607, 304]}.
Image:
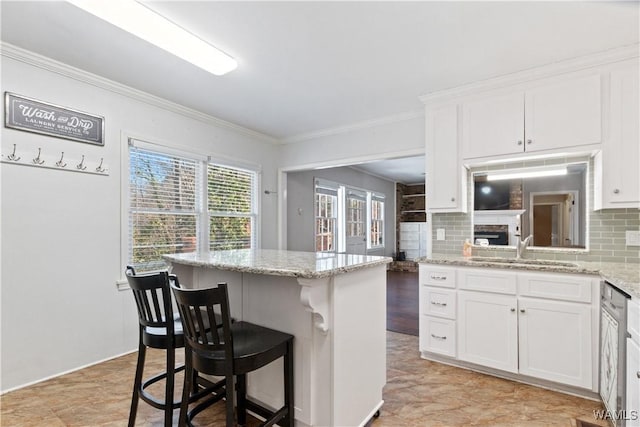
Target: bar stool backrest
{"type": "Point", "coordinates": [153, 299]}
{"type": "Point", "coordinates": [205, 331]}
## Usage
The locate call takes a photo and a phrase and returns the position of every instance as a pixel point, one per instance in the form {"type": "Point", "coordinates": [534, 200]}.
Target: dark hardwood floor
{"type": "Point", "coordinates": [402, 302]}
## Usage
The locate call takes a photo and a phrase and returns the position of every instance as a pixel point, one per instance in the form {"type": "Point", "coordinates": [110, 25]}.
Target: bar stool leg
{"type": "Point", "coordinates": [137, 382]}
{"type": "Point", "coordinates": [188, 379]}
{"type": "Point", "coordinates": [241, 399]}
{"type": "Point", "coordinates": [168, 397]}
{"type": "Point", "coordinates": [288, 385]}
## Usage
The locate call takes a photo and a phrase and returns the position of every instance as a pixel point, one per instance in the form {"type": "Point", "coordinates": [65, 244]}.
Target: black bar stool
{"type": "Point", "coordinates": [233, 349]}
{"type": "Point", "coordinates": [159, 328]}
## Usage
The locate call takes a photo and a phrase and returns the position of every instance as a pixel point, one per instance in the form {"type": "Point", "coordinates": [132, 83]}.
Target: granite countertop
{"type": "Point", "coordinates": [310, 265]}
{"type": "Point", "coordinates": [625, 276]}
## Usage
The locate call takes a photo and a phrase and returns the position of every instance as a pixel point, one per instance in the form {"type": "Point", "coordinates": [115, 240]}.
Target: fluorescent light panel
{"type": "Point", "coordinates": [146, 24]}
{"type": "Point", "coordinates": [502, 175]}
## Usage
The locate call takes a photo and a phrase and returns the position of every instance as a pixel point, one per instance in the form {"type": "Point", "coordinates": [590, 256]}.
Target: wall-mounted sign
{"type": "Point", "coordinates": [35, 116]}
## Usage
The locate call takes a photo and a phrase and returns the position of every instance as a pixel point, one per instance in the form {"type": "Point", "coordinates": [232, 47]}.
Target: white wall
{"type": "Point", "coordinates": [300, 205]}
{"type": "Point", "coordinates": [388, 139]}
{"type": "Point", "coordinates": [61, 231]}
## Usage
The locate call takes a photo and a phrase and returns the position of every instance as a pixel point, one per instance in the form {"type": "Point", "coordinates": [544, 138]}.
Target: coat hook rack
{"type": "Point", "coordinates": [38, 160]}
{"type": "Point", "coordinates": [59, 163]}
{"type": "Point", "coordinates": [12, 156]}
{"type": "Point", "coordinates": [48, 161]}
{"type": "Point", "coordinates": [81, 166]}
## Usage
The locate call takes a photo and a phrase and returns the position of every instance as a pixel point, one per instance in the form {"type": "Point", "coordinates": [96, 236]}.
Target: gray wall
{"type": "Point", "coordinates": [300, 214]}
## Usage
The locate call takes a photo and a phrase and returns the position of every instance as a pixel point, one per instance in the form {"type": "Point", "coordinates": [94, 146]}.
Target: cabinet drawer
{"type": "Point", "coordinates": [439, 302]}
{"type": "Point", "coordinates": [409, 244]}
{"type": "Point", "coordinates": [487, 281]}
{"type": "Point", "coordinates": [408, 236]}
{"type": "Point", "coordinates": [434, 275]}
{"type": "Point", "coordinates": [412, 227]}
{"type": "Point", "coordinates": [633, 320]}
{"type": "Point", "coordinates": [556, 286]}
{"type": "Point", "coordinates": [438, 335]}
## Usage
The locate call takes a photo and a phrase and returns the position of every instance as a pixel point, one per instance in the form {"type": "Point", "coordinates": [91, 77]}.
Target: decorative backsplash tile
{"type": "Point", "coordinates": [606, 228]}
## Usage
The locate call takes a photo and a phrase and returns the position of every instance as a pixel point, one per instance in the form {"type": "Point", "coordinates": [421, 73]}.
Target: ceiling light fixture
{"type": "Point", "coordinates": [146, 24]}
{"type": "Point", "coordinates": [524, 173]}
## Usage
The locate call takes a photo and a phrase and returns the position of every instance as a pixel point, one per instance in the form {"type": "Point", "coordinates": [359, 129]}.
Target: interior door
{"type": "Point", "coordinates": [356, 214]}
{"type": "Point", "coordinates": [542, 225]}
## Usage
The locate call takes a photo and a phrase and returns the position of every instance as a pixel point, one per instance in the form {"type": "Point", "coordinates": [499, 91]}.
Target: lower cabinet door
{"type": "Point", "coordinates": [556, 341]}
{"type": "Point", "coordinates": [438, 335]}
{"type": "Point", "coordinates": [488, 329]}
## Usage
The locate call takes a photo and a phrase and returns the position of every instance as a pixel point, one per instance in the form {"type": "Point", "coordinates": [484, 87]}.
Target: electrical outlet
{"type": "Point", "coordinates": [440, 234]}
{"type": "Point", "coordinates": [633, 237]}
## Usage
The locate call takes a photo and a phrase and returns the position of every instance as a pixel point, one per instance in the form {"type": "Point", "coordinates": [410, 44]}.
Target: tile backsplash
{"type": "Point", "coordinates": [606, 230]}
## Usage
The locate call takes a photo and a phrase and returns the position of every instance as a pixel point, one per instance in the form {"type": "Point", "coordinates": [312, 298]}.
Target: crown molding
{"type": "Point", "coordinates": [13, 52]}
{"type": "Point", "coordinates": [567, 66]}
{"type": "Point", "coordinates": [365, 124]}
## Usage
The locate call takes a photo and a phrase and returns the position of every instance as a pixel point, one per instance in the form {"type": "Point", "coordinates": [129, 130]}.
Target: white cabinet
{"type": "Point", "coordinates": [446, 177]}
{"type": "Point", "coordinates": [556, 341]}
{"type": "Point", "coordinates": [413, 239]}
{"type": "Point", "coordinates": [559, 113]}
{"type": "Point", "coordinates": [536, 324]}
{"type": "Point", "coordinates": [633, 362]}
{"type": "Point", "coordinates": [488, 330]}
{"type": "Point", "coordinates": [438, 309]}
{"type": "Point", "coordinates": [616, 172]}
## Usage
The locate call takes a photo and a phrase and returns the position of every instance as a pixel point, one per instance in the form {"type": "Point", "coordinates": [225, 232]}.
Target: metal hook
{"type": "Point", "coordinates": [59, 162]}
{"type": "Point", "coordinates": [12, 156]}
{"type": "Point", "coordinates": [100, 168]}
{"type": "Point", "coordinates": [38, 160]}
{"type": "Point", "coordinates": [81, 166]}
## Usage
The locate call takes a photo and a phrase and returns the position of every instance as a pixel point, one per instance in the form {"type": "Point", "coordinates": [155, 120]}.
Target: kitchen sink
{"type": "Point", "coordinates": [523, 261]}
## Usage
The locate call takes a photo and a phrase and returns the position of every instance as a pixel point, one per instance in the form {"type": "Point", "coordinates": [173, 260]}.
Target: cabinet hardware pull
{"type": "Point", "coordinates": [438, 277]}
{"type": "Point", "coordinates": [638, 374]}
{"type": "Point", "coordinates": [442, 304]}
{"type": "Point", "coordinates": [513, 309]}
{"type": "Point", "coordinates": [453, 199]}
{"type": "Point", "coordinates": [529, 141]}
{"type": "Point", "coordinates": [616, 191]}
{"type": "Point", "coordinates": [438, 337]}
{"type": "Point", "coordinates": [522, 310]}
{"type": "Point", "coordinates": [519, 142]}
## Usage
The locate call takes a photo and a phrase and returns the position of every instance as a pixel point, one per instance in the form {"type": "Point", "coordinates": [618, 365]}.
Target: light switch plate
{"type": "Point", "coordinates": [440, 234]}
{"type": "Point", "coordinates": [633, 237]}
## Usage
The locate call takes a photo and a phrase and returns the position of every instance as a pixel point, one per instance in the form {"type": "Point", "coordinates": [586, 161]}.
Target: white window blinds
{"type": "Point", "coordinates": [164, 201]}
{"type": "Point", "coordinates": [232, 207]}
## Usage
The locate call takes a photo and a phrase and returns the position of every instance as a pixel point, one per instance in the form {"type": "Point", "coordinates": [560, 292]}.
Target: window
{"type": "Point", "coordinates": [168, 193]}
{"type": "Point", "coordinates": [344, 214]}
{"type": "Point", "coordinates": [326, 221]}
{"type": "Point", "coordinates": [376, 231]}
{"type": "Point", "coordinates": [232, 213]}
{"type": "Point", "coordinates": [356, 211]}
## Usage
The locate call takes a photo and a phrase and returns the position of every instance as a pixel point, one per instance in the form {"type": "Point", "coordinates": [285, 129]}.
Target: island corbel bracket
{"type": "Point", "coordinates": [314, 296]}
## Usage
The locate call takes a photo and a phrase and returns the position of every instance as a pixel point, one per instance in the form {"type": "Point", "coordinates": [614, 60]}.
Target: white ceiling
{"type": "Point", "coordinates": [311, 66]}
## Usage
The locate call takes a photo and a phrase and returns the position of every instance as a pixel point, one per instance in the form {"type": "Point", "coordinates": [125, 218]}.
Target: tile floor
{"type": "Point", "coordinates": [418, 393]}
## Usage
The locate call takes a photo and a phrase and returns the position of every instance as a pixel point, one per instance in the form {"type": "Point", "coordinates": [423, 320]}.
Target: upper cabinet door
{"type": "Point", "coordinates": [559, 114]}
{"type": "Point", "coordinates": [564, 114]}
{"type": "Point", "coordinates": [446, 182]}
{"type": "Point", "coordinates": [620, 185]}
{"type": "Point", "coordinates": [493, 126]}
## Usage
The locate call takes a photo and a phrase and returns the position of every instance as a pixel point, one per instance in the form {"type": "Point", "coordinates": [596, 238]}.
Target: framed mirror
{"type": "Point", "coordinates": [547, 202]}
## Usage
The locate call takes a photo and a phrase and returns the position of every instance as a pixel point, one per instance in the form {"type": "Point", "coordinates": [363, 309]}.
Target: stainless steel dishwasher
{"type": "Point", "coordinates": [613, 348]}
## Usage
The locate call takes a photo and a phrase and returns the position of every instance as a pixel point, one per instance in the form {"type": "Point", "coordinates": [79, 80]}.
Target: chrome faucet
{"type": "Point", "coordinates": [521, 246]}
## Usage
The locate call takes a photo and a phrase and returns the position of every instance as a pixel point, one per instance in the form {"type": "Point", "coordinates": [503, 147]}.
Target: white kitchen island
{"type": "Point", "coordinates": [334, 305]}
